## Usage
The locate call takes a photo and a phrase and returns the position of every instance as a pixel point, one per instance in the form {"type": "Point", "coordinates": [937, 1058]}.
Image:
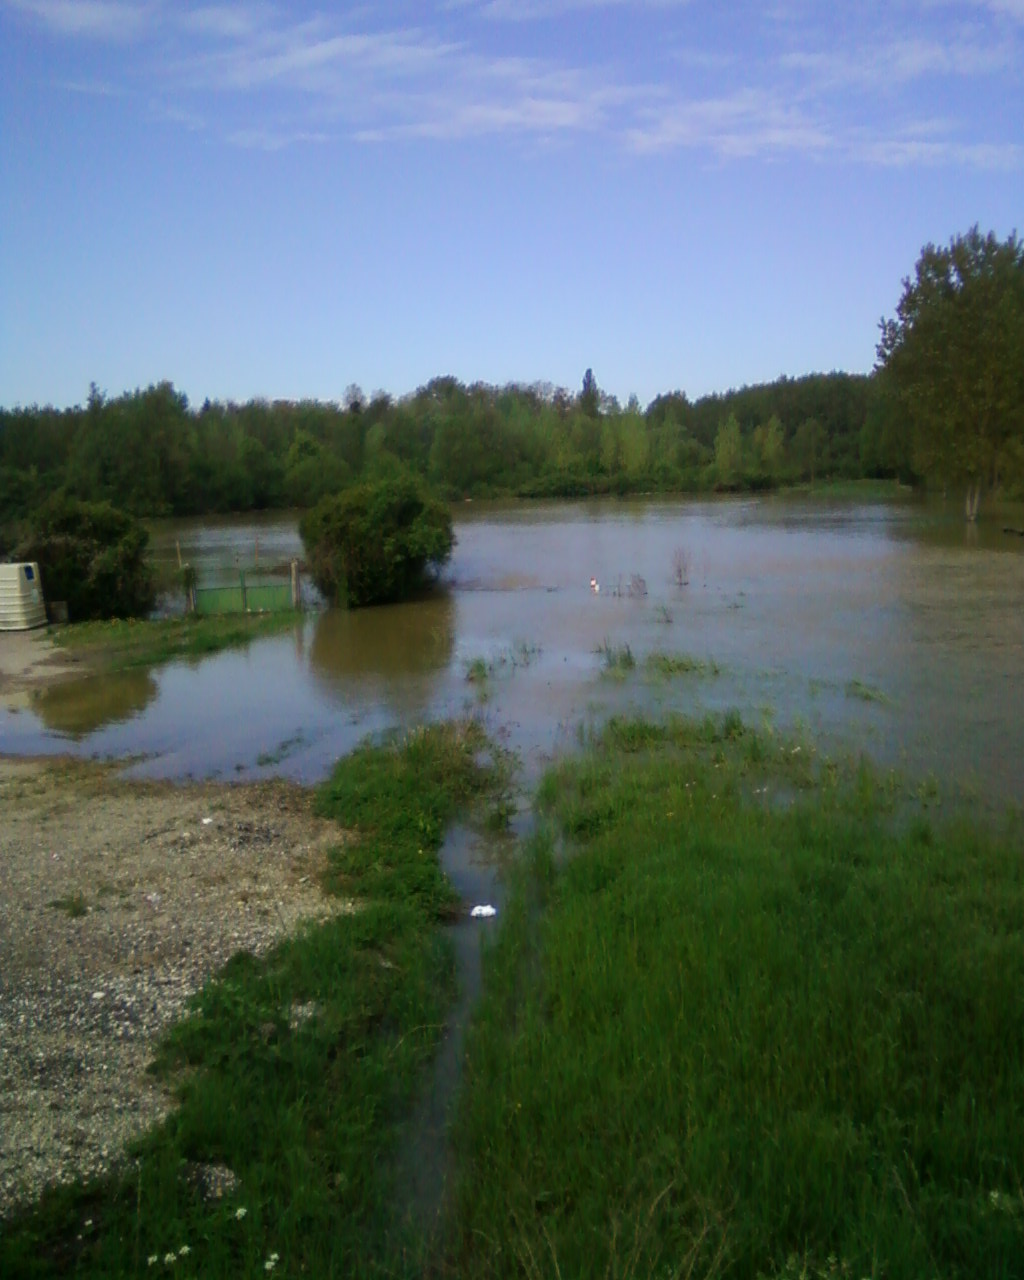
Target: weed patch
{"type": "Point", "coordinates": [73, 905]}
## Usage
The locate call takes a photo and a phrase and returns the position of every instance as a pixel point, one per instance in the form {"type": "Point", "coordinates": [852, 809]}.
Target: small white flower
{"type": "Point", "coordinates": [170, 1259]}
{"type": "Point", "coordinates": [184, 1251]}
{"type": "Point", "coordinates": [152, 1260]}
{"type": "Point", "coordinates": [271, 1262]}
{"type": "Point", "coordinates": [240, 1212]}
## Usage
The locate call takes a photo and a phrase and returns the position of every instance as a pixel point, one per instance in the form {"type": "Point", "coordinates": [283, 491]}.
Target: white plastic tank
{"type": "Point", "coordinates": [21, 597]}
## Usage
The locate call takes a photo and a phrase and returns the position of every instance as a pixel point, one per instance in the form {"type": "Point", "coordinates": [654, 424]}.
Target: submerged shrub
{"type": "Point", "coordinates": [92, 556]}
{"type": "Point", "coordinates": [377, 542]}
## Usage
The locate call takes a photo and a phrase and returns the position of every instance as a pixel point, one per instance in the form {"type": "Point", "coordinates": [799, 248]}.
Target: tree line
{"type": "Point", "coordinates": [150, 453]}
{"type": "Point", "coordinates": [945, 404]}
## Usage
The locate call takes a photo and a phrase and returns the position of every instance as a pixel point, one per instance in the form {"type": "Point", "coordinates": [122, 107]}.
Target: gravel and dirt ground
{"type": "Point", "coordinates": [118, 900]}
{"type": "Point", "coordinates": [29, 659]}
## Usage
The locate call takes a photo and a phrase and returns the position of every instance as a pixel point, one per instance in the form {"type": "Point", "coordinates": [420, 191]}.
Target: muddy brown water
{"type": "Point", "coordinates": [887, 626]}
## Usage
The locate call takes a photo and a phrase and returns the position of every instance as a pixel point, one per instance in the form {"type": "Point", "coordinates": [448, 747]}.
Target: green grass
{"type": "Point", "coordinates": [758, 1018]}
{"type": "Point", "coordinates": [751, 1012]}
{"type": "Point", "coordinates": [123, 643]}
{"type": "Point", "coordinates": [296, 1071]}
{"type": "Point", "coordinates": [868, 490]}
{"type": "Point", "coordinates": [667, 665]}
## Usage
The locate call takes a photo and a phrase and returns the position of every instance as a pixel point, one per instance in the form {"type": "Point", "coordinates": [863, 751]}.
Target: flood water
{"type": "Point", "coordinates": [888, 627]}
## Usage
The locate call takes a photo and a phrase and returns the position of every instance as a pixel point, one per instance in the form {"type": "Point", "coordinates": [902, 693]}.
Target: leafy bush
{"type": "Point", "coordinates": [92, 556]}
{"type": "Point", "coordinates": [376, 542]}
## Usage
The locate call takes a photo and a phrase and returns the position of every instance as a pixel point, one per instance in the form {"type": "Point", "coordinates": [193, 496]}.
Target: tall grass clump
{"type": "Point", "coordinates": [616, 660]}
{"type": "Point", "coordinates": [726, 1036]}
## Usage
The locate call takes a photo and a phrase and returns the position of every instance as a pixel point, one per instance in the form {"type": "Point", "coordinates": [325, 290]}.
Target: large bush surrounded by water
{"type": "Point", "coordinates": [376, 543]}
{"type": "Point", "coordinates": [92, 556]}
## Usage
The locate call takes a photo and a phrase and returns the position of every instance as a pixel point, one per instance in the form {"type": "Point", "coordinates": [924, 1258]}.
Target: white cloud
{"type": "Point", "coordinates": [273, 139]}
{"type": "Point", "coordinates": [101, 19]}
{"type": "Point", "coordinates": [93, 88]}
{"type": "Point", "coordinates": [308, 57]}
{"type": "Point", "coordinates": [905, 153]}
{"type": "Point", "coordinates": [1013, 9]}
{"type": "Point", "coordinates": [226, 21]}
{"type": "Point", "coordinates": [749, 122]}
{"type": "Point", "coordinates": [778, 91]}
{"type": "Point", "coordinates": [533, 10]}
{"type": "Point", "coordinates": [898, 62]}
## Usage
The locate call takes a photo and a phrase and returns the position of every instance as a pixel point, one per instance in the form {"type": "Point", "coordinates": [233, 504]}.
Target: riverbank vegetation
{"type": "Point", "coordinates": [151, 453]}
{"type": "Point", "coordinates": [294, 1072]}
{"type": "Point", "coordinates": [953, 363]}
{"type": "Point", "coordinates": [751, 1014]}
{"type": "Point", "coordinates": [120, 644]}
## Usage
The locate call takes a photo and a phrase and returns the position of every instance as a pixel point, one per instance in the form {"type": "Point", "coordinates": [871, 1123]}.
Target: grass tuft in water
{"type": "Point", "coordinates": [616, 660]}
{"type": "Point", "coordinates": [864, 692]}
{"type": "Point", "coordinates": [667, 665]}
{"type": "Point", "coordinates": [479, 670]}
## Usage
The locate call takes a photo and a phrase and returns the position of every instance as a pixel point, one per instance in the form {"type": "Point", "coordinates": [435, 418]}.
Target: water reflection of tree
{"type": "Point", "coordinates": [80, 707]}
{"type": "Point", "coordinates": [387, 645]}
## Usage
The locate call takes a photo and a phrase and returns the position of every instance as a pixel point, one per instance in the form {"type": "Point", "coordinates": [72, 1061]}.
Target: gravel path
{"type": "Point", "coordinates": [117, 901]}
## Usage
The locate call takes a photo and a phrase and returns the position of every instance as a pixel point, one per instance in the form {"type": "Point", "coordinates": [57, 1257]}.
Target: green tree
{"type": "Point", "coordinates": [954, 358]}
{"type": "Point", "coordinates": [375, 543]}
{"type": "Point", "coordinates": [590, 395]}
{"type": "Point", "coordinates": [809, 441]}
{"type": "Point", "coordinates": [93, 557]}
{"type": "Point", "coordinates": [729, 452]}
{"type": "Point", "coordinates": [312, 472]}
{"type": "Point", "coordinates": [769, 447]}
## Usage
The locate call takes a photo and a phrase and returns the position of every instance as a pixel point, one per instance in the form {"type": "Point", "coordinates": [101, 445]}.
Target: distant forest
{"type": "Point", "coordinates": [152, 454]}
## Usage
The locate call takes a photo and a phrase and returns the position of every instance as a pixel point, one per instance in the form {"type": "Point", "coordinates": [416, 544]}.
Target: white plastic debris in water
{"type": "Point", "coordinates": [484, 911]}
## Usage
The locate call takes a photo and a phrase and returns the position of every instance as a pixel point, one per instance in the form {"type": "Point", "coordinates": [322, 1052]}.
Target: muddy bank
{"type": "Point", "coordinates": [117, 902]}
{"type": "Point", "coordinates": [30, 660]}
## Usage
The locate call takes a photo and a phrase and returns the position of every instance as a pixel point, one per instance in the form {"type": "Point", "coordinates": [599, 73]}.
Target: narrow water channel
{"type": "Point", "coordinates": [425, 1168]}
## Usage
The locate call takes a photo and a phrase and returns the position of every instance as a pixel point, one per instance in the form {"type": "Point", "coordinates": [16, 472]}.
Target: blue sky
{"type": "Point", "coordinates": [254, 198]}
